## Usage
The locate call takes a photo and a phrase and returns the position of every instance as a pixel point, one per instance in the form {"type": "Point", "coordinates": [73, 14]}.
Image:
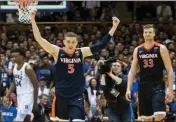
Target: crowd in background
{"type": "Point", "coordinates": [79, 11]}
{"type": "Point", "coordinates": [121, 46]}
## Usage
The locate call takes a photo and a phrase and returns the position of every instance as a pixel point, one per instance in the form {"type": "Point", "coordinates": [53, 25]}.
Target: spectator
{"type": "Point", "coordinates": [42, 87]}
{"type": "Point", "coordinates": [174, 69]}
{"type": "Point", "coordinates": [122, 112]}
{"type": "Point", "coordinates": [8, 112]}
{"type": "Point", "coordinates": [41, 115]}
{"type": "Point", "coordinates": [77, 17]}
{"type": "Point", "coordinates": [92, 91]}
{"type": "Point", "coordinates": [6, 69]}
{"type": "Point", "coordinates": [164, 13]}
{"type": "Point", "coordinates": [27, 55]}
{"type": "Point", "coordinates": [146, 11]}
{"type": "Point", "coordinates": [91, 4]}
{"type": "Point", "coordinates": [47, 71]}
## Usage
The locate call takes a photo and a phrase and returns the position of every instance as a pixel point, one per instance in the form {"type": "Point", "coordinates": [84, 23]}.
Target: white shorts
{"type": "Point", "coordinates": [24, 106]}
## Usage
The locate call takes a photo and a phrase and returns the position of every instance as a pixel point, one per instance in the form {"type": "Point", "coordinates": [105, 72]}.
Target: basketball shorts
{"type": "Point", "coordinates": [151, 100]}
{"type": "Point", "coordinates": [70, 108]}
{"type": "Point", "coordinates": [24, 106]}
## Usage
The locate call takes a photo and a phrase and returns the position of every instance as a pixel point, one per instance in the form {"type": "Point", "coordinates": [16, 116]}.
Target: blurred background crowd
{"type": "Point", "coordinates": [127, 37]}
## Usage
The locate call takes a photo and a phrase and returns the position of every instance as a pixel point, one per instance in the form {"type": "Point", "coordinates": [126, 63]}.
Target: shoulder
{"type": "Point", "coordinates": [163, 48]}
{"type": "Point", "coordinates": [158, 44]}
{"type": "Point", "coordinates": [138, 47]}
{"type": "Point", "coordinates": [141, 45]}
{"type": "Point", "coordinates": [28, 67]}
{"type": "Point", "coordinates": [84, 49]}
{"type": "Point", "coordinates": [136, 50]}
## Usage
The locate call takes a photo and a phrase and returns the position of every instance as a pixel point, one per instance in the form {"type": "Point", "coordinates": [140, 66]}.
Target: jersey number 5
{"type": "Point", "coordinates": [148, 63]}
{"type": "Point", "coordinates": [71, 68]}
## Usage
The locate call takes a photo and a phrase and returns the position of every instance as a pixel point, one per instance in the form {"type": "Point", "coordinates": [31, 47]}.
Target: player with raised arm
{"type": "Point", "coordinates": [26, 84]}
{"type": "Point", "coordinates": [69, 70]}
{"type": "Point", "coordinates": [152, 58]}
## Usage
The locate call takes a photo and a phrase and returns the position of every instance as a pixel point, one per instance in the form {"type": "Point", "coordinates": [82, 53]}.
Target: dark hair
{"type": "Point", "coordinates": [172, 50]}
{"type": "Point", "coordinates": [122, 66]}
{"type": "Point", "coordinates": [3, 53]}
{"type": "Point", "coordinates": [42, 95]}
{"type": "Point", "coordinates": [97, 88]}
{"type": "Point", "coordinates": [21, 51]}
{"type": "Point", "coordinates": [45, 56]}
{"type": "Point", "coordinates": [71, 34]}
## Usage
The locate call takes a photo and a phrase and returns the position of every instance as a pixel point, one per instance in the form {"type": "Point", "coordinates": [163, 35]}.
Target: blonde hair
{"type": "Point", "coordinates": [148, 26]}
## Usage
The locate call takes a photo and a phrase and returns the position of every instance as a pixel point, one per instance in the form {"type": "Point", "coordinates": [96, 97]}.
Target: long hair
{"type": "Point", "coordinates": [97, 88]}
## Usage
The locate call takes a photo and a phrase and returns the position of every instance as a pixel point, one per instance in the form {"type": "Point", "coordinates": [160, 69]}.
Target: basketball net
{"type": "Point", "coordinates": [24, 9]}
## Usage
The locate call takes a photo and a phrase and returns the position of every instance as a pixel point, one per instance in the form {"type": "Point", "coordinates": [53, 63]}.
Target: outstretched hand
{"type": "Point", "coordinates": [33, 13]}
{"type": "Point", "coordinates": [115, 21]}
{"type": "Point", "coordinates": [128, 95]}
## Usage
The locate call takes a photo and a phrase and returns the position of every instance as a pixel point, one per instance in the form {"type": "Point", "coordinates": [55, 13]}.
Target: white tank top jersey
{"type": "Point", "coordinates": [22, 81]}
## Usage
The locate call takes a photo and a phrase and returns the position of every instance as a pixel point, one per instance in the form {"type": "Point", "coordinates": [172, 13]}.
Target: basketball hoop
{"type": "Point", "coordinates": [24, 8]}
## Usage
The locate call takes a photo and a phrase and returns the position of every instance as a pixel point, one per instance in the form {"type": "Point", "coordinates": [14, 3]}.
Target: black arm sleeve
{"type": "Point", "coordinates": [102, 44]}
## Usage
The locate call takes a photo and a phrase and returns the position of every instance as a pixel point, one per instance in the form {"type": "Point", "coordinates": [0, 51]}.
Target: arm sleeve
{"type": "Point", "coordinates": [102, 44]}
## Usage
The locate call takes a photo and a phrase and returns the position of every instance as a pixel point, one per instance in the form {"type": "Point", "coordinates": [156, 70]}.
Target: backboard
{"type": "Point", "coordinates": [43, 6]}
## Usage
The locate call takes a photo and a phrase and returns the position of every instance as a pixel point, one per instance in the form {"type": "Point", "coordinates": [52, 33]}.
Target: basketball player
{"type": "Point", "coordinates": [69, 70]}
{"type": "Point", "coordinates": [152, 58]}
{"type": "Point", "coordinates": [26, 84]}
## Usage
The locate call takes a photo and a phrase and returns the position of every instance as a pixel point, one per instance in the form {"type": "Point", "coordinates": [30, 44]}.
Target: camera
{"type": "Point", "coordinates": [106, 66]}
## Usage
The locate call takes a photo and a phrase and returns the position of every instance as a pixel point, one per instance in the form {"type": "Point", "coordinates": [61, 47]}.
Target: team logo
{"type": "Point", "coordinates": [140, 51]}
{"type": "Point", "coordinates": [155, 49]}
{"type": "Point", "coordinates": [77, 53]}
{"type": "Point", "coordinates": [62, 55]}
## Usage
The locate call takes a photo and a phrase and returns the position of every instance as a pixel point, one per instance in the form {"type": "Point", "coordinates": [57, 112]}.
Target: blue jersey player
{"type": "Point", "coordinates": [69, 70]}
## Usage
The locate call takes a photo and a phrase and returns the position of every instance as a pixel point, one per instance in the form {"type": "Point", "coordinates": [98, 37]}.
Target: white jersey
{"type": "Point", "coordinates": [22, 81]}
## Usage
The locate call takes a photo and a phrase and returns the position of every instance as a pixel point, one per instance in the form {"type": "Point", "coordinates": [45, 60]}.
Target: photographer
{"type": "Point", "coordinates": [114, 84]}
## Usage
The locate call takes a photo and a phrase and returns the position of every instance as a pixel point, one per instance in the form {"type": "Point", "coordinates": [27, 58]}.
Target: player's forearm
{"type": "Point", "coordinates": [36, 31]}
{"type": "Point", "coordinates": [37, 35]}
{"type": "Point", "coordinates": [102, 44]}
{"type": "Point", "coordinates": [131, 76]}
{"type": "Point", "coordinates": [112, 31]}
{"type": "Point", "coordinates": [36, 87]}
{"type": "Point", "coordinates": [170, 80]}
{"type": "Point", "coordinates": [44, 43]}
{"type": "Point", "coordinates": [106, 39]}
{"type": "Point", "coordinates": [36, 93]}
{"type": "Point", "coordinates": [12, 88]}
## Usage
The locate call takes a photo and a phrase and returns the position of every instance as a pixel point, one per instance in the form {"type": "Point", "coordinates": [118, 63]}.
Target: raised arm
{"type": "Point", "coordinates": [132, 74]}
{"type": "Point", "coordinates": [102, 44]}
{"type": "Point", "coordinates": [88, 51]}
{"type": "Point", "coordinates": [50, 48]}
